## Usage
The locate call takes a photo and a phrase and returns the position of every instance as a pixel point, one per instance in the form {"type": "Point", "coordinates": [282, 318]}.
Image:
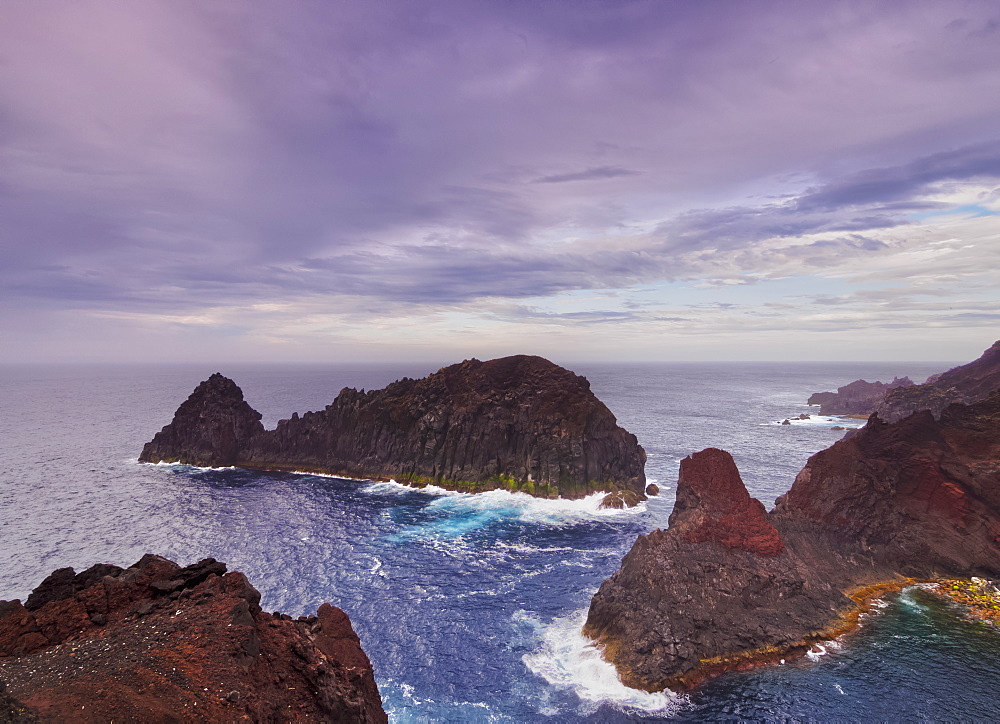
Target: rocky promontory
{"type": "Point", "coordinates": [727, 583]}
{"type": "Point", "coordinates": [517, 423]}
{"type": "Point", "coordinates": [857, 398]}
{"type": "Point", "coordinates": [160, 643]}
{"type": "Point", "coordinates": [966, 384]}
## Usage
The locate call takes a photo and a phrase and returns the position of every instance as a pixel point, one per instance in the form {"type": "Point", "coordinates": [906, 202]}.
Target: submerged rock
{"type": "Point", "coordinates": [517, 423]}
{"type": "Point", "coordinates": [727, 581]}
{"type": "Point", "coordinates": [176, 644]}
{"type": "Point", "coordinates": [620, 499]}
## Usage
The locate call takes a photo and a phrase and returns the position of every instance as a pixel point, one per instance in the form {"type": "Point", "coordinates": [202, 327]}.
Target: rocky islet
{"type": "Point", "coordinates": [517, 423]}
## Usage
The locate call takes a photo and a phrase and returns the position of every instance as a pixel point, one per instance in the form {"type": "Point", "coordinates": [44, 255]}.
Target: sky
{"type": "Point", "coordinates": [296, 181]}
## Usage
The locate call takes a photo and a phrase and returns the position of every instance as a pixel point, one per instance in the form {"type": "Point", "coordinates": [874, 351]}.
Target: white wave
{"type": "Point", "coordinates": [529, 509]}
{"type": "Point", "coordinates": [818, 652]}
{"type": "Point", "coordinates": [455, 514]}
{"type": "Point", "coordinates": [569, 660]}
{"type": "Point", "coordinates": [391, 487]}
{"type": "Point", "coordinates": [848, 423]}
{"type": "Point", "coordinates": [163, 463]}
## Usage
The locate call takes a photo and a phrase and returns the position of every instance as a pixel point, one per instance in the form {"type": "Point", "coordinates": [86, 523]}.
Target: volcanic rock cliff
{"type": "Point", "coordinates": [916, 498]}
{"type": "Point", "coordinates": [160, 643]}
{"type": "Point", "coordinates": [857, 398]}
{"type": "Point", "coordinates": [966, 384]}
{"type": "Point", "coordinates": [519, 423]}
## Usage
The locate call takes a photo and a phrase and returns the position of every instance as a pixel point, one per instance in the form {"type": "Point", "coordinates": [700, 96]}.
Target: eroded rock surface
{"type": "Point", "coordinates": [520, 423]}
{"type": "Point", "coordinates": [916, 498]}
{"type": "Point", "coordinates": [160, 643]}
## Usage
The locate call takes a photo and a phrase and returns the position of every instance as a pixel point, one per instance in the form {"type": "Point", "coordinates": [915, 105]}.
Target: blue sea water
{"type": "Point", "coordinates": [470, 607]}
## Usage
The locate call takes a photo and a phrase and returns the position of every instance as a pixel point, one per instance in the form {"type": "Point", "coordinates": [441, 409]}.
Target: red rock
{"type": "Point", "coordinates": [713, 505]}
{"type": "Point", "coordinates": [209, 655]}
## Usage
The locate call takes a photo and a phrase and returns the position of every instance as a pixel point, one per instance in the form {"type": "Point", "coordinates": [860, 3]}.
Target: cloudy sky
{"type": "Point", "coordinates": [327, 181]}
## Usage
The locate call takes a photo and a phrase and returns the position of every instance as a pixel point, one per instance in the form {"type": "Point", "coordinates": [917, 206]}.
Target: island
{"type": "Point", "coordinates": [157, 642]}
{"type": "Point", "coordinates": [518, 423]}
{"type": "Point", "coordinates": [728, 584]}
{"type": "Point", "coordinates": [857, 398]}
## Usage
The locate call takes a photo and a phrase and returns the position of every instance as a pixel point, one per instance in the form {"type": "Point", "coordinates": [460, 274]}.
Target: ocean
{"type": "Point", "coordinates": [469, 607]}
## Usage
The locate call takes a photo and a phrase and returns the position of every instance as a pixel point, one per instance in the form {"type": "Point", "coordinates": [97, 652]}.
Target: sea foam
{"type": "Point", "coordinates": [567, 659]}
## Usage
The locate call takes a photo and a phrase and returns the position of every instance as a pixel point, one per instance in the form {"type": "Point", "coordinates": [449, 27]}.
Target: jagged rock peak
{"type": "Point", "coordinates": [713, 505]}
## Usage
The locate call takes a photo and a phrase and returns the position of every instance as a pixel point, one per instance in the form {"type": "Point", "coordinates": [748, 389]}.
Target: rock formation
{"type": "Point", "coordinates": [160, 643]}
{"type": "Point", "coordinates": [726, 581]}
{"type": "Point", "coordinates": [857, 398]}
{"type": "Point", "coordinates": [519, 423]}
{"type": "Point", "coordinates": [966, 384]}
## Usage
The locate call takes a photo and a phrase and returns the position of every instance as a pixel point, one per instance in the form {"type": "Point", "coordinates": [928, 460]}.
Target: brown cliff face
{"type": "Point", "coordinates": [160, 643]}
{"type": "Point", "coordinates": [965, 384]}
{"type": "Point", "coordinates": [857, 398]}
{"type": "Point", "coordinates": [917, 498]}
{"type": "Point", "coordinates": [521, 423]}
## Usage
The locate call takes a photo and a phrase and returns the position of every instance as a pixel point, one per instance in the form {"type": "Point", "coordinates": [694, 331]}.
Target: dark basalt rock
{"type": "Point", "coordinates": [857, 398]}
{"type": "Point", "coordinates": [160, 643]}
{"type": "Point", "coordinates": [520, 423]}
{"type": "Point", "coordinates": [917, 498]}
{"type": "Point", "coordinates": [966, 384]}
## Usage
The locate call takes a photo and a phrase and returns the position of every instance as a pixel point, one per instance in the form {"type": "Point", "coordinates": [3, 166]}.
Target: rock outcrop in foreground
{"type": "Point", "coordinates": [161, 643]}
{"type": "Point", "coordinates": [727, 582]}
{"type": "Point", "coordinates": [857, 398]}
{"type": "Point", "coordinates": [517, 423]}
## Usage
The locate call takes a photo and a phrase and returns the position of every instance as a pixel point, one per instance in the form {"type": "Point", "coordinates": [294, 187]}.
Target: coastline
{"type": "Point", "coordinates": [979, 604]}
{"type": "Point", "coordinates": [413, 480]}
{"type": "Point", "coordinates": [865, 597]}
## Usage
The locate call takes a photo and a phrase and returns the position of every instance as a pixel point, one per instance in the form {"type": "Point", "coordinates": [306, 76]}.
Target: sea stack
{"type": "Point", "coordinates": [160, 643]}
{"type": "Point", "coordinates": [516, 423]}
{"type": "Point", "coordinates": [727, 583]}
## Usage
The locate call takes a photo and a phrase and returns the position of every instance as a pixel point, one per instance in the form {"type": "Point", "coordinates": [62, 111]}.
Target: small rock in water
{"type": "Point", "coordinates": [786, 421]}
{"type": "Point", "coordinates": [652, 489]}
{"type": "Point", "coordinates": [620, 499]}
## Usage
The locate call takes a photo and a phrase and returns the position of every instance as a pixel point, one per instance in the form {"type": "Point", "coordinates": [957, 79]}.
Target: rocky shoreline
{"type": "Point", "coordinates": [729, 585]}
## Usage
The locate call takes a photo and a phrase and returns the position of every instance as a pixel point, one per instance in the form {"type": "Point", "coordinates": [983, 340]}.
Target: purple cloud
{"type": "Point", "coordinates": [180, 155]}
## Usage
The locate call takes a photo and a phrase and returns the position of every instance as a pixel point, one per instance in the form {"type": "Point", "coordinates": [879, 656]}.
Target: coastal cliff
{"type": "Point", "coordinates": [966, 384]}
{"type": "Point", "coordinates": [160, 643]}
{"type": "Point", "coordinates": [857, 398]}
{"type": "Point", "coordinates": [517, 423]}
{"type": "Point", "coordinates": [725, 583]}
